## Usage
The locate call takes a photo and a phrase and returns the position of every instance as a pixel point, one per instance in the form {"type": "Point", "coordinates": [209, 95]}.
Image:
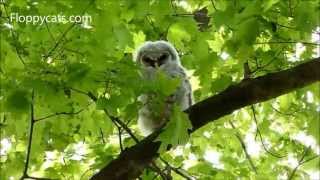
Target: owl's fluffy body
{"type": "Point", "coordinates": [152, 57]}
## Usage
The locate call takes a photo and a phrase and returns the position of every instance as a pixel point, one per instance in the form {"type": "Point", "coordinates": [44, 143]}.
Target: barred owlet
{"type": "Point", "coordinates": [161, 56]}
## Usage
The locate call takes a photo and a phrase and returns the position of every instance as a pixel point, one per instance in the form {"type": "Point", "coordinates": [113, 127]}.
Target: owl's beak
{"type": "Point", "coordinates": [156, 64]}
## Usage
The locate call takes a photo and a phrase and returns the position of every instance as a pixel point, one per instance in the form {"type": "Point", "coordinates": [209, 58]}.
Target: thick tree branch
{"type": "Point", "coordinates": [255, 90]}
{"type": "Point", "coordinates": [133, 160]}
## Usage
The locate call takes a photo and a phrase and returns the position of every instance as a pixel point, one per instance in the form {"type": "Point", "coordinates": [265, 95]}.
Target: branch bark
{"type": "Point", "coordinates": [133, 160]}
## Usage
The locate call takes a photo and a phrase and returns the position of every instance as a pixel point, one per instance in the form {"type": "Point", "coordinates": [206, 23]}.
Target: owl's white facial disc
{"type": "Point", "coordinates": [156, 54]}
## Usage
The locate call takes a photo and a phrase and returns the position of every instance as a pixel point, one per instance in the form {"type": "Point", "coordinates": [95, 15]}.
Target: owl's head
{"type": "Point", "coordinates": [156, 54]}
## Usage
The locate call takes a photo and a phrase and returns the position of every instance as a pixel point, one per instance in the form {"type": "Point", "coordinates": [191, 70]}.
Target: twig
{"type": "Point", "coordinates": [290, 8]}
{"type": "Point", "coordinates": [177, 170]}
{"type": "Point", "coordinates": [85, 172]}
{"type": "Point", "coordinates": [156, 169]}
{"type": "Point", "coordinates": [120, 138]}
{"type": "Point", "coordinates": [59, 40]}
{"type": "Point", "coordinates": [114, 119]}
{"type": "Point", "coordinates": [255, 120]}
{"type": "Point", "coordinates": [124, 126]}
{"type": "Point", "coordinates": [278, 111]}
{"type": "Point", "coordinates": [25, 171]}
{"type": "Point", "coordinates": [247, 73]}
{"type": "Point", "coordinates": [243, 145]}
{"type": "Point", "coordinates": [183, 14]}
{"type": "Point", "coordinates": [38, 178]}
{"type": "Point", "coordinates": [310, 159]}
{"type": "Point", "coordinates": [213, 5]}
{"type": "Point", "coordinates": [151, 23]}
{"type": "Point", "coordinates": [102, 136]}
{"type": "Point", "coordinates": [260, 135]}
{"type": "Point", "coordinates": [173, 6]}
{"type": "Point", "coordinates": [284, 26]}
{"type": "Point", "coordinates": [288, 42]}
{"type": "Point", "coordinates": [61, 113]}
{"type": "Point", "coordinates": [263, 66]}
{"type": "Point", "coordinates": [48, 29]}
{"type": "Point", "coordinates": [305, 152]}
{"type": "Point", "coordinates": [74, 51]}
{"type": "Point", "coordinates": [260, 67]}
{"type": "Point", "coordinates": [62, 36]}
{"type": "Point", "coordinates": [85, 93]}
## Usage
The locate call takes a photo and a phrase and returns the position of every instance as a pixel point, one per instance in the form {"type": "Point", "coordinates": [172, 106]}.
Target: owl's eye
{"type": "Point", "coordinates": [148, 61]}
{"type": "Point", "coordinates": [162, 59]}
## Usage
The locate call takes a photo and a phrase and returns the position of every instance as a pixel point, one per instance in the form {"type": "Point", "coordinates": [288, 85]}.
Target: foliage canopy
{"type": "Point", "coordinates": [63, 83]}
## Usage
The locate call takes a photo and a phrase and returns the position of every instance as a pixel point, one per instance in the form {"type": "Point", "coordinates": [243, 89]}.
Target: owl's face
{"type": "Point", "coordinates": [156, 54]}
{"type": "Point", "coordinates": [155, 60]}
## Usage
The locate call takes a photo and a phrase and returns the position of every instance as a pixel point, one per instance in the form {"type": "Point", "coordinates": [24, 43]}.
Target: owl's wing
{"type": "Point", "coordinates": [176, 72]}
{"type": "Point", "coordinates": [189, 94]}
{"type": "Point", "coordinates": [183, 95]}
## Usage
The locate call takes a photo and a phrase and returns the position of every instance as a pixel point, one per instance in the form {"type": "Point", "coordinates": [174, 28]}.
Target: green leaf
{"type": "Point", "coordinates": [268, 4]}
{"type": "Point", "coordinates": [123, 36]}
{"type": "Point", "coordinates": [221, 83]}
{"type": "Point", "coordinates": [247, 31]}
{"type": "Point", "coordinates": [76, 72]}
{"type": "Point", "coordinates": [180, 33]}
{"type": "Point", "coordinates": [176, 130]}
{"type": "Point", "coordinates": [18, 101]}
{"type": "Point", "coordinates": [204, 168]}
{"type": "Point", "coordinates": [307, 16]}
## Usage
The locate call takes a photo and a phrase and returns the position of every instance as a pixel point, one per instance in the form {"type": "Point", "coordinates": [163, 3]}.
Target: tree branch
{"type": "Point", "coordinates": [25, 174]}
{"type": "Point", "coordinates": [133, 160]}
{"type": "Point", "coordinates": [64, 34]}
{"type": "Point", "coordinates": [25, 171]}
